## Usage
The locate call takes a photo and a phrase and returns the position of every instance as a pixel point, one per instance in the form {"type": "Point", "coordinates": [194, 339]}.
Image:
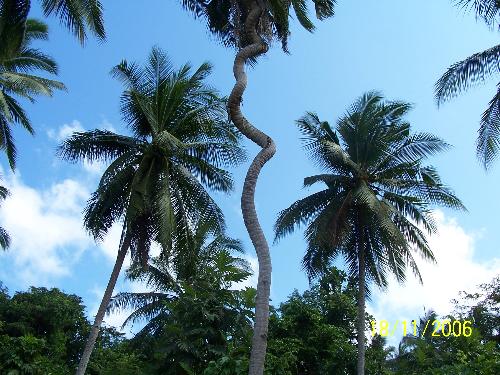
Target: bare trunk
{"type": "Point", "coordinates": [258, 47]}
{"type": "Point", "coordinates": [361, 308]}
{"type": "Point", "coordinates": [89, 345]}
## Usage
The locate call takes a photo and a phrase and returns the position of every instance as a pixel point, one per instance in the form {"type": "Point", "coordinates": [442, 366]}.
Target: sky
{"type": "Point", "coordinates": [399, 48]}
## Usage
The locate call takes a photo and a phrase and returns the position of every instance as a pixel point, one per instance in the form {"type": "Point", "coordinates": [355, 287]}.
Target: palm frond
{"type": "Point", "coordinates": [97, 145]}
{"type": "Point", "coordinates": [462, 75]}
{"type": "Point", "coordinates": [488, 141]}
{"type": "Point", "coordinates": [488, 10]}
{"type": "Point", "coordinates": [78, 16]}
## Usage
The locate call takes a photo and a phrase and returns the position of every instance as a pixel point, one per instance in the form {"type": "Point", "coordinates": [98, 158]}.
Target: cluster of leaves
{"type": "Point", "coordinates": [42, 331]}
{"type": "Point", "coordinates": [477, 354]}
{"type": "Point", "coordinates": [206, 330]}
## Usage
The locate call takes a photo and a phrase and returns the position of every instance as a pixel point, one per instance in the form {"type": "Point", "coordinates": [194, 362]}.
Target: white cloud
{"type": "Point", "coordinates": [455, 270]}
{"type": "Point", "coordinates": [45, 227]}
{"type": "Point", "coordinates": [65, 131]}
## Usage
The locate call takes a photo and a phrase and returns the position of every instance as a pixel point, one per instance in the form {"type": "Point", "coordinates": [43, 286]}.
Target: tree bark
{"type": "Point", "coordinates": [361, 306]}
{"type": "Point", "coordinates": [256, 48]}
{"type": "Point", "coordinates": [89, 345]}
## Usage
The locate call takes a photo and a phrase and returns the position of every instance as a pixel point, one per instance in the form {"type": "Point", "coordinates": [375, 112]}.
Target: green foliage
{"type": "Point", "coordinates": [17, 60]}
{"type": "Point", "coordinates": [42, 331]}
{"type": "Point", "coordinates": [376, 191]}
{"type": "Point", "coordinates": [474, 70]}
{"type": "Point", "coordinates": [312, 333]}
{"type": "Point", "coordinates": [79, 16]}
{"type": "Point", "coordinates": [477, 354]}
{"type": "Point", "coordinates": [156, 179]}
{"type": "Point", "coordinates": [193, 317]}
{"type": "Point", "coordinates": [4, 235]}
{"type": "Point", "coordinates": [226, 20]}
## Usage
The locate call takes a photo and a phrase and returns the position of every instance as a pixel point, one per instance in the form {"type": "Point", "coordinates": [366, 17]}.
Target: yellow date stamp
{"type": "Point", "coordinates": [444, 328]}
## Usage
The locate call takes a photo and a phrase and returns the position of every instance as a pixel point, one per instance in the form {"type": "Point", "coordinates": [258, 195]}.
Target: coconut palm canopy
{"type": "Point", "coordinates": [225, 19]}
{"type": "Point", "coordinates": [377, 193]}
{"type": "Point", "coordinates": [157, 176]}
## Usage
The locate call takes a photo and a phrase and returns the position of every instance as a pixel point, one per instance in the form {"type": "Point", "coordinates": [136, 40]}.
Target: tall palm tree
{"type": "Point", "coordinates": [376, 199]}
{"type": "Point", "coordinates": [473, 70]}
{"type": "Point", "coordinates": [250, 26]}
{"type": "Point", "coordinates": [4, 235]}
{"type": "Point", "coordinates": [181, 142]}
{"type": "Point", "coordinates": [17, 60]}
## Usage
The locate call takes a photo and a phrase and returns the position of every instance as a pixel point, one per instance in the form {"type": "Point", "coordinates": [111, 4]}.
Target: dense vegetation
{"type": "Point", "coordinates": [206, 329]}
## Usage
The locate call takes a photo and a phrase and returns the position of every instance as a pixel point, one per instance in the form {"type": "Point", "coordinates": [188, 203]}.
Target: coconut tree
{"type": "Point", "coordinates": [157, 177]}
{"type": "Point", "coordinates": [473, 70]}
{"type": "Point", "coordinates": [17, 60]}
{"type": "Point", "coordinates": [204, 258]}
{"type": "Point", "coordinates": [250, 26]}
{"type": "Point", "coordinates": [375, 208]}
{"type": "Point", "coordinates": [192, 315]}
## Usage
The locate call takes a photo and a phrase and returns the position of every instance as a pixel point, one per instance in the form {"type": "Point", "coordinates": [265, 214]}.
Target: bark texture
{"type": "Point", "coordinates": [256, 48]}
{"type": "Point", "coordinates": [89, 345]}
{"type": "Point", "coordinates": [361, 309]}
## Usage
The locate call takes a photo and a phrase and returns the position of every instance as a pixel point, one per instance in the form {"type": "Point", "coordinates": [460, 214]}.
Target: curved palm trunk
{"type": "Point", "coordinates": [361, 310]}
{"type": "Point", "coordinates": [89, 345]}
{"type": "Point", "coordinates": [258, 47]}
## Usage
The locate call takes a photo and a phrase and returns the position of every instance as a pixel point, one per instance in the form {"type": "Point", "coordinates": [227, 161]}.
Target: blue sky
{"type": "Point", "coordinates": [397, 47]}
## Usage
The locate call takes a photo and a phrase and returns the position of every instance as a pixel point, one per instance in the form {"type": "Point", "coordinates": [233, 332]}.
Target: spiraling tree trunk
{"type": "Point", "coordinates": [256, 48]}
{"type": "Point", "coordinates": [89, 345]}
{"type": "Point", "coordinates": [361, 308]}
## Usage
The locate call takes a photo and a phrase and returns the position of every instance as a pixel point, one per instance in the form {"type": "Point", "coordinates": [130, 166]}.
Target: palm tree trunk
{"type": "Point", "coordinates": [89, 345]}
{"type": "Point", "coordinates": [361, 308]}
{"type": "Point", "coordinates": [258, 47]}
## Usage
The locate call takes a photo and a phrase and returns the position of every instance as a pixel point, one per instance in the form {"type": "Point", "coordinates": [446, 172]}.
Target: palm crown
{"type": "Point", "coordinates": [17, 60]}
{"type": "Point", "coordinates": [377, 193]}
{"type": "Point", "coordinates": [157, 177]}
{"type": "Point", "coordinates": [225, 19]}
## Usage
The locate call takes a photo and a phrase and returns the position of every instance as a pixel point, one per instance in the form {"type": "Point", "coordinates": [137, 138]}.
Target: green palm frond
{"type": "Point", "coordinates": [97, 145]}
{"type": "Point", "coordinates": [35, 30]}
{"type": "Point", "coordinates": [487, 10]}
{"type": "Point", "coordinates": [17, 62]}
{"type": "Point", "coordinates": [4, 239]}
{"type": "Point", "coordinates": [488, 141]}
{"type": "Point", "coordinates": [79, 16]}
{"type": "Point", "coordinates": [462, 75]}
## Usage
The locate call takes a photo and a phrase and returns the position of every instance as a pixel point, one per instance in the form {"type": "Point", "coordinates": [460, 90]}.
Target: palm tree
{"type": "Point", "coordinates": [376, 198]}
{"type": "Point", "coordinates": [250, 26]}
{"type": "Point", "coordinates": [193, 315]}
{"type": "Point", "coordinates": [4, 235]}
{"type": "Point", "coordinates": [78, 16]}
{"type": "Point", "coordinates": [200, 259]}
{"type": "Point", "coordinates": [17, 60]}
{"type": "Point", "coordinates": [473, 70]}
{"type": "Point", "coordinates": [157, 177]}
